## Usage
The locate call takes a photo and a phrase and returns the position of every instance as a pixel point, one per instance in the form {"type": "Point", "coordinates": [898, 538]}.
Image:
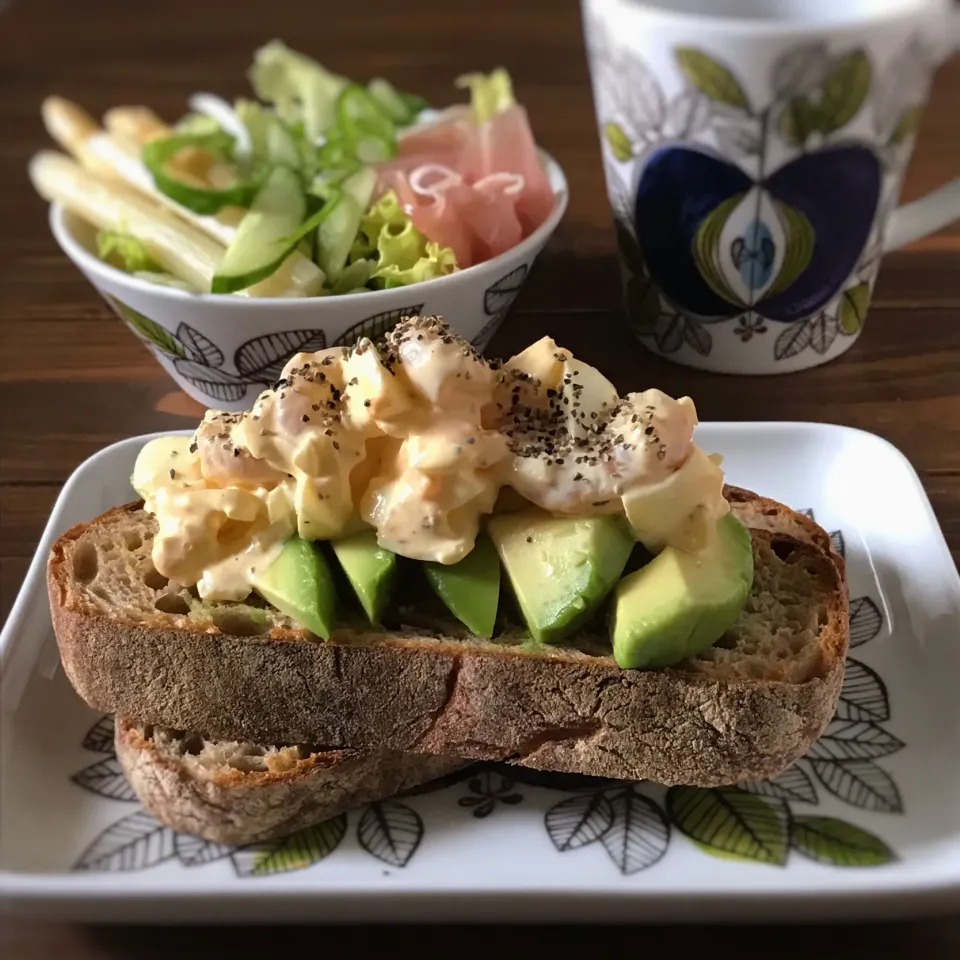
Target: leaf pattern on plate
{"type": "Point", "coordinates": [860, 783]}
{"type": "Point", "coordinates": [106, 779]}
{"type": "Point", "coordinates": [133, 843]}
{"type": "Point", "coordinates": [838, 543]}
{"type": "Point", "coordinates": [500, 295]}
{"type": "Point", "coordinates": [196, 852]}
{"type": "Point", "coordinates": [374, 327]}
{"type": "Point", "coordinates": [578, 820]}
{"type": "Point", "coordinates": [100, 736]}
{"type": "Point", "coordinates": [792, 785]}
{"type": "Point", "coordinates": [866, 621]}
{"type": "Point", "coordinates": [214, 383]}
{"type": "Point", "coordinates": [198, 348]}
{"type": "Point", "coordinates": [294, 852]}
{"type": "Point", "coordinates": [838, 843]}
{"type": "Point", "coordinates": [732, 823]}
{"type": "Point", "coordinates": [263, 358]}
{"type": "Point", "coordinates": [640, 833]}
{"type": "Point", "coordinates": [390, 831]}
{"type": "Point", "coordinates": [854, 740]}
{"type": "Point", "coordinates": [864, 695]}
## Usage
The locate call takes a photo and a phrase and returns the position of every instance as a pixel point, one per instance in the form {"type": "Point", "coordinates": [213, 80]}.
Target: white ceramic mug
{"type": "Point", "coordinates": [754, 152]}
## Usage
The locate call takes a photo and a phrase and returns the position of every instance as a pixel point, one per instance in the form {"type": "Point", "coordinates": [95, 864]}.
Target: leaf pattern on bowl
{"type": "Point", "coordinates": [214, 383]}
{"type": "Point", "coordinates": [375, 327]}
{"type": "Point", "coordinates": [263, 358]}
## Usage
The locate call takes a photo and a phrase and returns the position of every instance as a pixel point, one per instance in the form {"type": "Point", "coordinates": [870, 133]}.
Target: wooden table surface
{"type": "Point", "coordinates": [73, 379]}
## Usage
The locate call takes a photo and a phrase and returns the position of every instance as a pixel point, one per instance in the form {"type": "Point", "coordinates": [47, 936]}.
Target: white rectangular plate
{"type": "Point", "coordinates": [867, 824]}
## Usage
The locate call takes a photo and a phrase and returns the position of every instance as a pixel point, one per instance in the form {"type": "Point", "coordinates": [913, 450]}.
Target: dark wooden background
{"type": "Point", "coordinates": [72, 379]}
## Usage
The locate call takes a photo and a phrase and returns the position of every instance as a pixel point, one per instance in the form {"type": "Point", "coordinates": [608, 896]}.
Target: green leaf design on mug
{"type": "Point", "coordinates": [706, 246]}
{"type": "Point", "coordinates": [643, 302]}
{"type": "Point", "coordinates": [150, 330]}
{"type": "Point", "coordinates": [798, 120]}
{"type": "Point", "coordinates": [619, 142]}
{"type": "Point", "coordinates": [838, 843]}
{"type": "Point", "coordinates": [907, 125]}
{"type": "Point", "coordinates": [853, 308]}
{"type": "Point", "coordinates": [629, 248]}
{"type": "Point", "coordinates": [844, 91]}
{"type": "Point", "coordinates": [799, 248]}
{"type": "Point", "coordinates": [711, 77]}
{"type": "Point", "coordinates": [731, 823]}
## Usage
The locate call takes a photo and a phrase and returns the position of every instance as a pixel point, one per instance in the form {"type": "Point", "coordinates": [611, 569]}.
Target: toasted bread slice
{"type": "Point", "coordinates": [135, 645]}
{"type": "Point", "coordinates": [238, 793]}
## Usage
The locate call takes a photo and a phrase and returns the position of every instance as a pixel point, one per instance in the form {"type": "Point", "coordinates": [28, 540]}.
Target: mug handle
{"type": "Point", "coordinates": [937, 209]}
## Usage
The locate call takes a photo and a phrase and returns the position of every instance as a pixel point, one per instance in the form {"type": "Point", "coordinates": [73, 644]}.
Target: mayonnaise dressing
{"type": "Point", "coordinates": [417, 440]}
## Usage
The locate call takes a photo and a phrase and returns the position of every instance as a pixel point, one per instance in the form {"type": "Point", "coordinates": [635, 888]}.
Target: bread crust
{"type": "Point", "coordinates": [550, 710]}
{"type": "Point", "coordinates": [240, 807]}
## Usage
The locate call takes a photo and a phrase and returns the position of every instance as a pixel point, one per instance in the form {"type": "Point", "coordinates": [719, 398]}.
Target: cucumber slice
{"type": "Point", "coordinates": [266, 235]}
{"type": "Point", "coordinates": [337, 231]}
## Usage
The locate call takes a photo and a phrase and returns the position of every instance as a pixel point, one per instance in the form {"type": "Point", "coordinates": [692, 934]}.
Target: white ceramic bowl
{"type": "Point", "coordinates": [223, 350]}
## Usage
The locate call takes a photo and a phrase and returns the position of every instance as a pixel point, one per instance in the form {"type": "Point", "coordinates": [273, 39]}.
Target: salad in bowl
{"type": "Point", "coordinates": [316, 211]}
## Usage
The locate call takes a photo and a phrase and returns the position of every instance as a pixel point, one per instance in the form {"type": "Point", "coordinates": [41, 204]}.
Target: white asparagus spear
{"type": "Point", "coordinates": [109, 205]}
{"type": "Point", "coordinates": [297, 275]}
{"type": "Point", "coordinates": [119, 156]}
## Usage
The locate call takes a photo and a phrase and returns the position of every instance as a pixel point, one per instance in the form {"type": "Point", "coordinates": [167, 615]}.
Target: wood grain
{"type": "Point", "coordinates": [72, 379]}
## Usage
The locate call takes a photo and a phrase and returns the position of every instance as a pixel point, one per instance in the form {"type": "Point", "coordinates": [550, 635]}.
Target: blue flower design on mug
{"type": "Point", "coordinates": [718, 243]}
{"type": "Point", "coordinates": [746, 210]}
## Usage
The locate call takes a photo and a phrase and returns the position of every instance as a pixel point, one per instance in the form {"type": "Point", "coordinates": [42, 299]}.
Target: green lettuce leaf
{"type": "Point", "coordinates": [298, 87]}
{"type": "Point", "coordinates": [399, 253]}
{"type": "Point", "coordinates": [490, 94]}
{"type": "Point", "coordinates": [436, 261]}
{"type": "Point", "coordinates": [165, 280]}
{"type": "Point", "coordinates": [353, 277]}
{"type": "Point", "coordinates": [125, 252]}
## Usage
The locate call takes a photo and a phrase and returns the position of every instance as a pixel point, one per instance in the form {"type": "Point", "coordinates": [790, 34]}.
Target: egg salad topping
{"type": "Point", "coordinates": [417, 439]}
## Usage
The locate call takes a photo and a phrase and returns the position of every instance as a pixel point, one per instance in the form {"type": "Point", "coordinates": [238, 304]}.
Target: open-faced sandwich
{"type": "Point", "coordinates": [404, 547]}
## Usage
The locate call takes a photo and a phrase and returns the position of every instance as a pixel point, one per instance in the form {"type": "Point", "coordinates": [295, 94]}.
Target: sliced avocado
{"type": "Point", "coordinates": [299, 583]}
{"type": "Point", "coordinates": [680, 603]}
{"type": "Point", "coordinates": [370, 569]}
{"type": "Point", "coordinates": [560, 568]}
{"type": "Point", "coordinates": [470, 588]}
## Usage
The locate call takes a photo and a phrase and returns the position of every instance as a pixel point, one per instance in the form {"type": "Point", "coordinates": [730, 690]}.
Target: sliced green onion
{"type": "Point", "coordinates": [389, 100]}
{"type": "Point", "coordinates": [203, 200]}
{"type": "Point", "coordinates": [369, 148]}
{"type": "Point", "coordinates": [359, 112]}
